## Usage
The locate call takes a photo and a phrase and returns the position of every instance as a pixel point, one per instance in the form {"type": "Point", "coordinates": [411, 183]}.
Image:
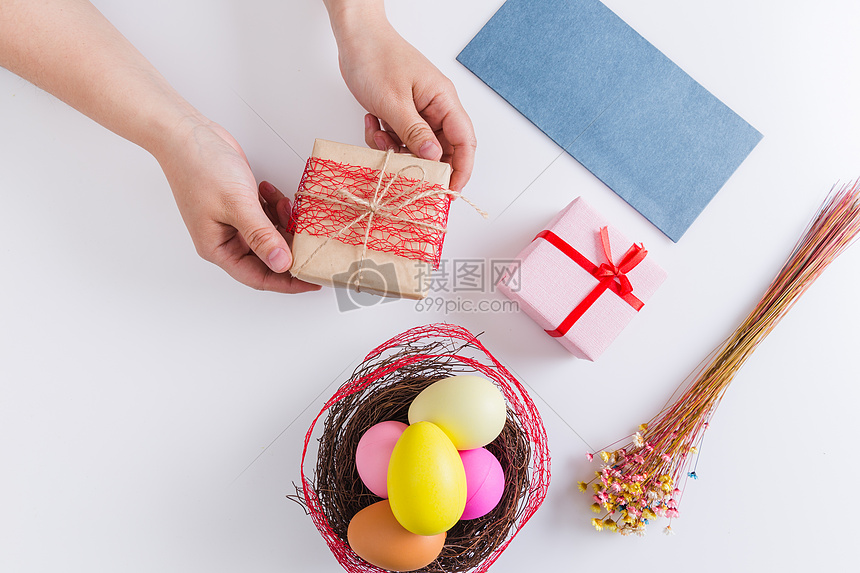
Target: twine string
{"type": "Point", "coordinates": [373, 208]}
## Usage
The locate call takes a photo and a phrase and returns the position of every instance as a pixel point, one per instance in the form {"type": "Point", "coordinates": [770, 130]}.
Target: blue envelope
{"type": "Point", "coordinates": [613, 101]}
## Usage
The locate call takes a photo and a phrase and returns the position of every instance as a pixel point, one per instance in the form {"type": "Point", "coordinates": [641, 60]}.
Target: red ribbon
{"type": "Point", "coordinates": [610, 276]}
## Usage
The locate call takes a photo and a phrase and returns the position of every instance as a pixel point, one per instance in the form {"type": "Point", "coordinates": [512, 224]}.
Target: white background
{"type": "Point", "coordinates": [152, 410]}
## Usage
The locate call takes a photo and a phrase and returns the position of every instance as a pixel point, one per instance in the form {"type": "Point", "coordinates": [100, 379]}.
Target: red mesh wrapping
{"type": "Point", "coordinates": [325, 216]}
{"type": "Point", "coordinates": [460, 348]}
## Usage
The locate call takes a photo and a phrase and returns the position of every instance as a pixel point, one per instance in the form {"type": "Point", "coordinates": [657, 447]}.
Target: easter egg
{"type": "Point", "coordinates": [485, 482]}
{"type": "Point", "coordinates": [426, 480]}
{"type": "Point", "coordinates": [470, 409]}
{"type": "Point", "coordinates": [373, 453]}
{"type": "Point", "coordinates": [379, 539]}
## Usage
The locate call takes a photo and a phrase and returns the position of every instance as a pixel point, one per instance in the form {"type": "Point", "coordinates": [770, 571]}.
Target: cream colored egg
{"type": "Point", "coordinates": [471, 410]}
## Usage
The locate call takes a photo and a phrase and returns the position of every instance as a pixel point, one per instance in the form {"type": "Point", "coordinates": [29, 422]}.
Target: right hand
{"type": "Point", "coordinates": [412, 105]}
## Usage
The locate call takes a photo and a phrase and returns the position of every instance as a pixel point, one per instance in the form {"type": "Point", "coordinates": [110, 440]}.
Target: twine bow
{"type": "Point", "coordinates": [382, 206]}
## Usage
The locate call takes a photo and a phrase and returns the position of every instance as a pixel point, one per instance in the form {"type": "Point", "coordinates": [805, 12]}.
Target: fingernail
{"type": "Point", "coordinates": [429, 150]}
{"type": "Point", "coordinates": [368, 122]}
{"type": "Point", "coordinates": [279, 260]}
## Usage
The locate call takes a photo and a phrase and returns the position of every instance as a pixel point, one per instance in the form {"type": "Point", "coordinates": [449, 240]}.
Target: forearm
{"type": "Point", "coordinates": [67, 48]}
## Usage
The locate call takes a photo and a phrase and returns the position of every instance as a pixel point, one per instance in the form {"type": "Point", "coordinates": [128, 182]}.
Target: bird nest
{"type": "Point", "coordinates": [382, 388]}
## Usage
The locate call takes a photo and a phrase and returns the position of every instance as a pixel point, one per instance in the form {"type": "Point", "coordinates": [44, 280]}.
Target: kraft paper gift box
{"type": "Point", "coordinates": [569, 286]}
{"type": "Point", "coordinates": [370, 220]}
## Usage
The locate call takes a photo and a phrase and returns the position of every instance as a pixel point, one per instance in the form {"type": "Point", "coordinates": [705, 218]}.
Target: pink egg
{"type": "Point", "coordinates": [485, 482]}
{"type": "Point", "coordinates": [374, 451]}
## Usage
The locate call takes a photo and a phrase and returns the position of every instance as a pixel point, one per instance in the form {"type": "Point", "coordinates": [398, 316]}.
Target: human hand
{"type": "Point", "coordinates": [411, 103]}
{"type": "Point", "coordinates": [231, 224]}
{"type": "Point", "coordinates": [106, 78]}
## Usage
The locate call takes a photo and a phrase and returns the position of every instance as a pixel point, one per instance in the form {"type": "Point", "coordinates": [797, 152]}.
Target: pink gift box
{"type": "Point", "coordinates": [566, 284]}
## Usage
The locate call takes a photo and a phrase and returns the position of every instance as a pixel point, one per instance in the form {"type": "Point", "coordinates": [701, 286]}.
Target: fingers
{"type": "Point", "coordinates": [251, 271]}
{"type": "Point", "coordinates": [269, 201]}
{"type": "Point", "coordinates": [261, 236]}
{"type": "Point", "coordinates": [264, 266]}
{"type": "Point", "coordinates": [377, 138]}
{"type": "Point", "coordinates": [454, 130]}
{"type": "Point", "coordinates": [413, 131]}
{"type": "Point", "coordinates": [277, 207]}
{"type": "Point", "coordinates": [244, 265]}
{"type": "Point", "coordinates": [284, 212]}
{"type": "Point", "coordinates": [460, 134]}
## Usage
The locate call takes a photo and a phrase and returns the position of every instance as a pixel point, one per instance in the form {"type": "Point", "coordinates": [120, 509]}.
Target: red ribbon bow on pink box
{"type": "Point", "coordinates": [611, 276]}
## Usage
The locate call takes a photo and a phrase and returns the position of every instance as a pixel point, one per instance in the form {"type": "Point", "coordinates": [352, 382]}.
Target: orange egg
{"type": "Point", "coordinates": [377, 537]}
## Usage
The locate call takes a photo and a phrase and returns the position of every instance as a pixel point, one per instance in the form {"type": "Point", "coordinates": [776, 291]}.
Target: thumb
{"type": "Point", "coordinates": [264, 239]}
{"type": "Point", "coordinates": [416, 134]}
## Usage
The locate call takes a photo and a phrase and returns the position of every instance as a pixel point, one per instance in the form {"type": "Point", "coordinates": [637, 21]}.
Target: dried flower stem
{"type": "Point", "coordinates": [639, 481]}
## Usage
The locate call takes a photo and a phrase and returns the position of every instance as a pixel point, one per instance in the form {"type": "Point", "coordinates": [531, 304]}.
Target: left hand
{"type": "Point", "coordinates": [233, 224]}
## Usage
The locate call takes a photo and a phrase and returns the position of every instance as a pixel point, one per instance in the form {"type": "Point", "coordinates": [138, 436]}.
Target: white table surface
{"type": "Point", "coordinates": [152, 409]}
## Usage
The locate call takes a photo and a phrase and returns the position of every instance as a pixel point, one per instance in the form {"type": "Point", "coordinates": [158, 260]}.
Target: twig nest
{"type": "Point", "coordinates": [381, 390]}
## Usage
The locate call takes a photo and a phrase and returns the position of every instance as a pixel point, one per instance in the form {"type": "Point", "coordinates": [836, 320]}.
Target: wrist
{"type": "Point", "coordinates": [167, 126]}
{"type": "Point", "coordinates": [352, 18]}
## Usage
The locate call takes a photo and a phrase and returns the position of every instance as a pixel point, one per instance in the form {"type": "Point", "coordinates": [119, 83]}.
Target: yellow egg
{"type": "Point", "coordinates": [379, 539]}
{"type": "Point", "coordinates": [426, 480]}
{"type": "Point", "coordinates": [469, 409]}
